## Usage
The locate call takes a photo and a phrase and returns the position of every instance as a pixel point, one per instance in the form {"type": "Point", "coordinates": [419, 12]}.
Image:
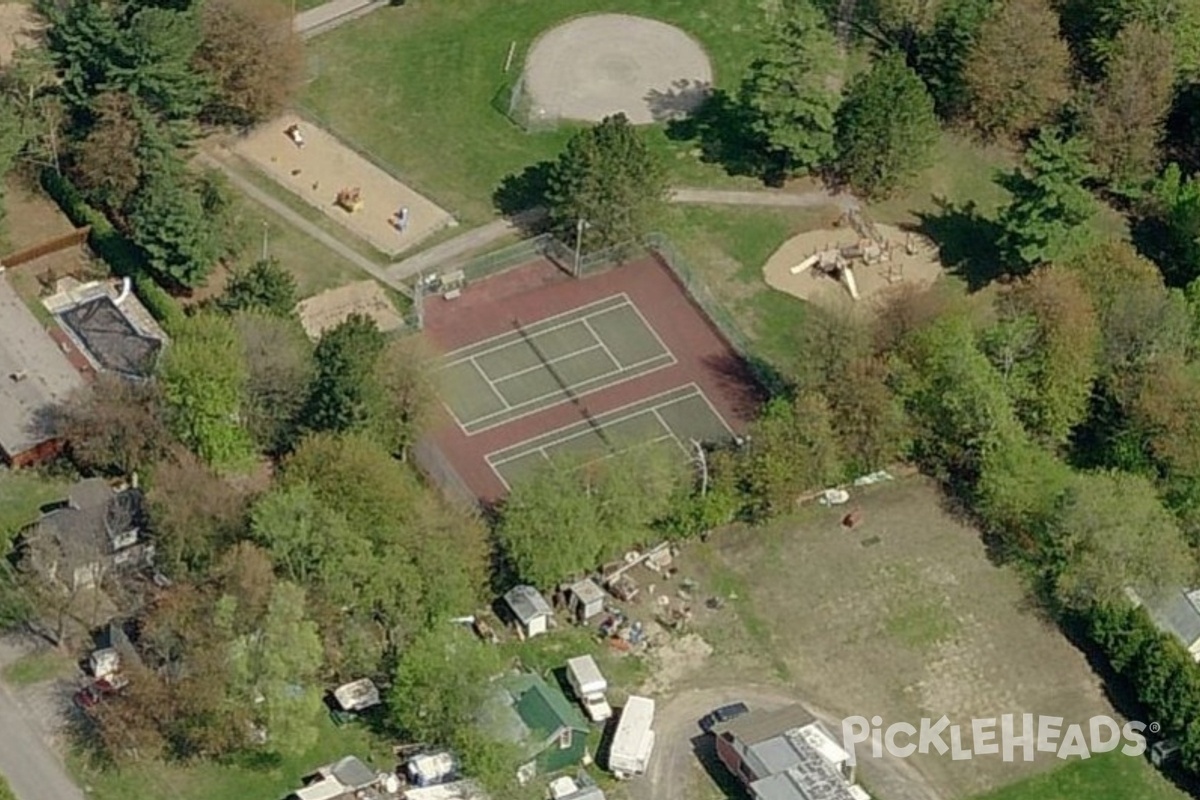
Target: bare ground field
{"type": "Point", "coordinates": [902, 617]}
{"type": "Point", "coordinates": [19, 27]}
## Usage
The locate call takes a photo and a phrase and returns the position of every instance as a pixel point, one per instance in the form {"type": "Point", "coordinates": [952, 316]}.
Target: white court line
{"type": "Point", "coordinates": [454, 357]}
{"type": "Point", "coordinates": [607, 352]}
{"type": "Point", "coordinates": [542, 365]}
{"type": "Point", "coordinates": [566, 399]}
{"type": "Point", "coordinates": [491, 385]}
{"type": "Point", "coordinates": [650, 328]}
{"type": "Point", "coordinates": [607, 420]}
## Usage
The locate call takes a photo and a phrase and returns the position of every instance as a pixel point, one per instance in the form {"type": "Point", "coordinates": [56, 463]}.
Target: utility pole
{"type": "Point", "coordinates": [702, 460]}
{"type": "Point", "coordinates": [579, 226]}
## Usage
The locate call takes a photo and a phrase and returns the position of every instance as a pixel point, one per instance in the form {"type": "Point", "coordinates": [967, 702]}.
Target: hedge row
{"type": "Point", "coordinates": [122, 256]}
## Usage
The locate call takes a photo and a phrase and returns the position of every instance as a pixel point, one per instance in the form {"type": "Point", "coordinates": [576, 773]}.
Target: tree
{"type": "Point", "coordinates": [284, 660]}
{"type": "Point", "coordinates": [264, 286]}
{"type": "Point", "coordinates": [153, 60]}
{"type": "Point", "coordinates": [1047, 218]}
{"type": "Point", "coordinates": [344, 390]}
{"type": "Point", "coordinates": [1171, 225]}
{"type": "Point", "coordinates": [869, 419]}
{"type": "Point", "coordinates": [1046, 345]}
{"type": "Point", "coordinates": [114, 426]}
{"type": "Point", "coordinates": [406, 393]}
{"type": "Point", "coordinates": [787, 94]}
{"type": "Point", "coordinates": [942, 52]}
{"type": "Point", "coordinates": [1126, 112]}
{"type": "Point", "coordinates": [279, 369]}
{"type": "Point", "coordinates": [253, 57]}
{"type": "Point", "coordinates": [204, 380]}
{"type": "Point", "coordinates": [1113, 534]}
{"type": "Point", "coordinates": [441, 682]}
{"type": "Point", "coordinates": [106, 160]}
{"type": "Point", "coordinates": [792, 449]}
{"type": "Point", "coordinates": [29, 91]}
{"type": "Point", "coordinates": [195, 513]}
{"type": "Point", "coordinates": [172, 222]}
{"type": "Point", "coordinates": [886, 128]}
{"type": "Point", "coordinates": [607, 184]}
{"type": "Point", "coordinates": [1018, 69]}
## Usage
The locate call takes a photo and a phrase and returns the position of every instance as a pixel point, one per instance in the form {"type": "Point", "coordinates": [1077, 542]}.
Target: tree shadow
{"type": "Point", "coordinates": [968, 241]}
{"type": "Point", "coordinates": [524, 190]}
{"type": "Point", "coordinates": [748, 384]}
{"type": "Point", "coordinates": [720, 127]}
{"type": "Point", "coordinates": [682, 99]}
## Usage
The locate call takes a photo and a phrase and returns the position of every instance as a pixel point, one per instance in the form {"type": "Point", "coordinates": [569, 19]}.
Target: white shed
{"type": "Point", "coordinates": [587, 599]}
{"type": "Point", "coordinates": [530, 609]}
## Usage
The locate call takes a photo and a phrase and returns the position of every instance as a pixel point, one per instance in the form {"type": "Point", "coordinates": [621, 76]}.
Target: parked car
{"type": "Point", "coordinates": [97, 690]}
{"type": "Point", "coordinates": [723, 714]}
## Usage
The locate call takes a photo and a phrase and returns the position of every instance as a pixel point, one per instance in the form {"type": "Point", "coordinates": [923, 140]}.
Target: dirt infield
{"type": "Point", "coordinates": [919, 267]}
{"type": "Point", "coordinates": [541, 290]}
{"type": "Point", "coordinates": [321, 168]}
{"type": "Point", "coordinates": [598, 65]}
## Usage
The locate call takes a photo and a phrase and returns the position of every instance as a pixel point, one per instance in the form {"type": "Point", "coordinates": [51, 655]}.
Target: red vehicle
{"type": "Point", "coordinates": [92, 694]}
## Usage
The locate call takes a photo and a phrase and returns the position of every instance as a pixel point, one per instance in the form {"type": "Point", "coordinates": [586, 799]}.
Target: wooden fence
{"type": "Point", "coordinates": [58, 243]}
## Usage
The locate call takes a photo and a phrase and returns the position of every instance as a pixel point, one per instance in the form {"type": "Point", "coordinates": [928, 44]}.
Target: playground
{"type": "Point", "coordinates": [331, 308]}
{"type": "Point", "coordinates": [539, 363]}
{"type": "Point", "coordinates": [317, 167]}
{"type": "Point", "coordinates": [853, 263]}
{"type": "Point", "coordinates": [603, 64]}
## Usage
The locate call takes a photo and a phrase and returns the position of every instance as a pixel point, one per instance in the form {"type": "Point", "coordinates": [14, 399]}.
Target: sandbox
{"type": "Point", "coordinates": [323, 167]}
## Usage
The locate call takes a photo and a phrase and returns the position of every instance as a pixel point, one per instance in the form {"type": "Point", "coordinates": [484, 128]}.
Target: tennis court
{"type": "Point", "coordinates": [677, 417]}
{"type": "Point", "coordinates": [552, 361]}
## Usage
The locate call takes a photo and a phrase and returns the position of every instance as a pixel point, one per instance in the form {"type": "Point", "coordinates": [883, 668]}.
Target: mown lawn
{"type": "Point", "coordinates": [1109, 776]}
{"type": "Point", "coordinates": [210, 780]}
{"type": "Point", "coordinates": [418, 86]}
{"type": "Point", "coordinates": [22, 494]}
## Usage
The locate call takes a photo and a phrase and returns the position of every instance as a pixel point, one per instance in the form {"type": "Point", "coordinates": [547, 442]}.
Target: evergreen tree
{"type": "Point", "coordinates": [941, 54]}
{"type": "Point", "coordinates": [1046, 220]}
{"type": "Point", "coordinates": [341, 396]}
{"type": "Point", "coordinates": [172, 222]}
{"type": "Point", "coordinates": [786, 93]}
{"type": "Point", "coordinates": [609, 179]}
{"type": "Point", "coordinates": [886, 128]}
{"type": "Point", "coordinates": [264, 286]}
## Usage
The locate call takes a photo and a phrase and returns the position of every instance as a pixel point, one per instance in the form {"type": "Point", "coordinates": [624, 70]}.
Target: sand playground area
{"type": "Point", "coordinates": [329, 309]}
{"type": "Point", "coordinates": [813, 266]}
{"type": "Point", "coordinates": [322, 168]}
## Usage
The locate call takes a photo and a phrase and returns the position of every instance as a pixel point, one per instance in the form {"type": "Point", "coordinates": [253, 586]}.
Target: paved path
{"type": "Point", "coordinates": [31, 766]}
{"type": "Point", "coordinates": [458, 249]}
{"type": "Point", "coordinates": [328, 16]}
{"type": "Point", "coordinates": [297, 220]}
{"type": "Point", "coordinates": [764, 197]}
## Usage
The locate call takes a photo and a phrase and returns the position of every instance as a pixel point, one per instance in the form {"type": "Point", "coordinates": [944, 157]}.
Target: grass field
{"type": "Point", "coordinates": [39, 666]}
{"type": "Point", "coordinates": [416, 86]}
{"type": "Point", "coordinates": [1109, 776]}
{"type": "Point", "coordinates": [902, 617]}
{"type": "Point", "coordinates": [21, 495]}
{"type": "Point", "coordinates": [206, 780]}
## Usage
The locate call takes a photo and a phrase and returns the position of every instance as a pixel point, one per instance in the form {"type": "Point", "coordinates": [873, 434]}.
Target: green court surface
{"type": "Point", "coordinates": [548, 362]}
{"type": "Point", "coordinates": [673, 418]}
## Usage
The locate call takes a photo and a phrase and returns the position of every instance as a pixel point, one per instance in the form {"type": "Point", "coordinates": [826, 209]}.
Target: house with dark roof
{"type": "Point", "coordinates": [109, 325]}
{"type": "Point", "coordinates": [94, 532]}
{"type": "Point", "coordinates": [546, 728]}
{"type": "Point", "coordinates": [35, 375]}
{"type": "Point", "coordinates": [786, 755]}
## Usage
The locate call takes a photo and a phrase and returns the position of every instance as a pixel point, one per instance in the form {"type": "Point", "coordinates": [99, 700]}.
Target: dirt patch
{"type": "Point", "coordinates": [324, 166]}
{"type": "Point", "coordinates": [329, 309]}
{"type": "Point", "coordinates": [910, 259]}
{"type": "Point", "coordinates": [603, 64]}
{"type": "Point", "coordinates": [675, 659]}
{"type": "Point", "coordinates": [19, 27]}
{"type": "Point", "coordinates": [31, 219]}
{"type": "Point", "coordinates": [902, 617]}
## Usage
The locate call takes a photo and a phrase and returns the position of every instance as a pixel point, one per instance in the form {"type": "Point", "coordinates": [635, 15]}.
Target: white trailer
{"type": "Point", "coordinates": [633, 741]}
{"type": "Point", "coordinates": [589, 686]}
